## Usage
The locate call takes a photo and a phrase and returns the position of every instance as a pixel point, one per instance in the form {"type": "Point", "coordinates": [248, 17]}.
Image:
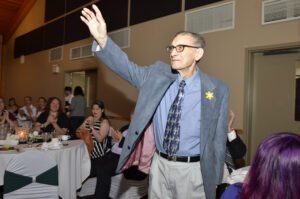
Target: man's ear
{"type": "Point", "coordinates": [199, 54]}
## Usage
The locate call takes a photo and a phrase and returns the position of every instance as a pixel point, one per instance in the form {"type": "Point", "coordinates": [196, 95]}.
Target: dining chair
{"type": "Point", "coordinates": [31, 175]}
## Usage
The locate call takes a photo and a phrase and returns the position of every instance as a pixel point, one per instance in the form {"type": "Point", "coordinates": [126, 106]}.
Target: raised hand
{"type": "Point", "coordinates": [6, 115]}
{"type": "Point", "coordinates": [96, 24]}
{"type": "Point", "coordinates": [231, 119]}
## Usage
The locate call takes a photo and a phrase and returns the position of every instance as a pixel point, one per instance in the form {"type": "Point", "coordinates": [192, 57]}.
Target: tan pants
{"type": "Point", "coordinates": [175, 180]}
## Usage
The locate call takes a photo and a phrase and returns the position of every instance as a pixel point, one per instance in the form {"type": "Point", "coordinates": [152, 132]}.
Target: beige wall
{"type": "Point", "coordinates": [273, 97]}
{"type": "Point", "coordinates": [225, 57]}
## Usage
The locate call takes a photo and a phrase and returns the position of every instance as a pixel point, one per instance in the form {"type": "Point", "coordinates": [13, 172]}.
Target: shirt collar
{"type": "Point", "coordinates": [190, 82]}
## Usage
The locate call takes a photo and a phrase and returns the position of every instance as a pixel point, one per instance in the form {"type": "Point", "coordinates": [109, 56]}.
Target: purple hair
{"type": "Point", "coordinates": [275, 170]}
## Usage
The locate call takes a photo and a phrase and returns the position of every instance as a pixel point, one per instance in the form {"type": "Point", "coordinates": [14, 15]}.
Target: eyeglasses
{"type": "Point", "coordinates": [179, 48]}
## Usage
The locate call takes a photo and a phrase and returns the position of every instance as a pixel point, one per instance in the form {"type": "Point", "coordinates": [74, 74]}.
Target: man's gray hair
{"type": "Point", "coordinates": [198, 39]}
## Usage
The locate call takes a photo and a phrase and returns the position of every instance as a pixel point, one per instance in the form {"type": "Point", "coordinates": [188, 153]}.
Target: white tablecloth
{"type": "Point", "coordinates": [73, 166]}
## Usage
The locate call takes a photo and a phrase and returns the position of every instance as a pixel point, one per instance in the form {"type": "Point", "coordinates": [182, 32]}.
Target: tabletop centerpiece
{"type": "Point", "coordinates": [22, 133]}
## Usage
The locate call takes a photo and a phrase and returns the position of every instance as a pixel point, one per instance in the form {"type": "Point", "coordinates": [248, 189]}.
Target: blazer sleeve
{"type": "Point", "coordinates": [221, 137]}
{"type": "Point", "coordinates": [236, 147]}
{"type": "Point", "coordinates": [113, 57]}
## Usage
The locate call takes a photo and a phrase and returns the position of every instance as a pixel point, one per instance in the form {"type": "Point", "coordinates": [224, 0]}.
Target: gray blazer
{"type": "Point", "coordinates": [152, 83]}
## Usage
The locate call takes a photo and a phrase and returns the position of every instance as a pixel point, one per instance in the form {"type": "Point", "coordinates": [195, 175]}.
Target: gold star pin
{"type": "Point", "coordinates": [209, 95]}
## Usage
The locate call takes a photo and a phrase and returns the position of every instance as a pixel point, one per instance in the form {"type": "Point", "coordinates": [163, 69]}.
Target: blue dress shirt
{"type": "Point", "coordinates": [190, 116]}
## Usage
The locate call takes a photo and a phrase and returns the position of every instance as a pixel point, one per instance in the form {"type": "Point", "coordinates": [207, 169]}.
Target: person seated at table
{"type": "Point", "coordinates": [274, 172]}
{"type": "Point", "coordinates": [53, 119]}
{"type": "Point", "coordinates": [235, 148]}
{"type": "Point", "coordinates": [27, 114]}
{"type": "Point", "coordinates": [118, 136]}
{"type": "Point", "coordinates": [6, 116]}
{"type": "Point", "coordinates": [12, 106]}
{"type": "Point", "coordinates": [41, 107]}
{"type": "Point", "coordinates": [99, 126]}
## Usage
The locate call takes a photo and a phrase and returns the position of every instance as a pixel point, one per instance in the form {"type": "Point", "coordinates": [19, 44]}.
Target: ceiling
{"type": "Point", "coordinates": [12, 12]}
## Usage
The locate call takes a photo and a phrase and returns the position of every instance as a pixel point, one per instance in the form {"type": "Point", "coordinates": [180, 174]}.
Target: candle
{"type": "Point", "coordinates": [23, 133]}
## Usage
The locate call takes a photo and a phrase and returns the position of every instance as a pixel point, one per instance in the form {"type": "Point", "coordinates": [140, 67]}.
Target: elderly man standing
{"type": "Point", "coordinates": [188, 108]}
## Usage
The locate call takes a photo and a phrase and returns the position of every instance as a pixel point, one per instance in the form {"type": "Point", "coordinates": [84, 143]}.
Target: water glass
{"type": "Point", "coordinates": [3, 132]}
{"type": "Point", "coordinates": [29, 142]}
{"type": "Point", "coordinates": [46, 136]}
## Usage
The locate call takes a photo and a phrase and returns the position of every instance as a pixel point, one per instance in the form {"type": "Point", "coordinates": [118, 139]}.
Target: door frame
{"type": "Point", "coordinates": [248, 82]}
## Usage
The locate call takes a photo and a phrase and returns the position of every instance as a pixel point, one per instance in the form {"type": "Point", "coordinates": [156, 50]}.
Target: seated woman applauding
{"type": "Point", "coordinates": [53, 119]}
{"type": "Point", "coordinates": [98, 125]}
{"type": "Point", "coordinates": [5, 116]}
{"type": "Point", "coordinates": [274, 172]}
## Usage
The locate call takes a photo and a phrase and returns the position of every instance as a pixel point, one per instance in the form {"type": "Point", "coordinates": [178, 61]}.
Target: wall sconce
{"type": "Point", "coordinates": [22, 59]}
{"type": "Point", "coordinates": [55, 69]}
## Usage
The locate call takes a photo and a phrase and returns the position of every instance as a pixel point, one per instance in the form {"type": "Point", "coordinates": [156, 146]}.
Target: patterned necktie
{"type": "Point", "coordinates": [172, 132]}
{"type": "Point", "coordinates": [229, 161]}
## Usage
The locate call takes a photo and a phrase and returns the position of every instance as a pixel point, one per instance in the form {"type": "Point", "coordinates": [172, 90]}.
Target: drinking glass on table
{"type": "Point", "coordinates": [46, 136]}
{"type": "Point", "coordinates": [29, 142]}
{"type": "Point", "coordinates": [55, 134]}
{"type": "Point", "coordinates": [3, 132]}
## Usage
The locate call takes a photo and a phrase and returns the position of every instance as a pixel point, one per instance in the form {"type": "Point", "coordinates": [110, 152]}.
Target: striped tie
{"type": "Point", "coordinates": [229, 161]}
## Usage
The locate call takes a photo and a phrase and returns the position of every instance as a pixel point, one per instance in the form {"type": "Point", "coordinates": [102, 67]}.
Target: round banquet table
{"type": "Point", "coordinates": [73, 165]}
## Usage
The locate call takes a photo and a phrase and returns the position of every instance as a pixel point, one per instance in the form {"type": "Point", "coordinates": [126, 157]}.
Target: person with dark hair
{"type": "Point", "coordinates": [12, 106]}
{"type": "Point", "coordinates": [53, 119]}
{"type": "Point", "coordinates": [274, 172]}
{"type": "Point", "coordinates": [41, 107]}
{"type": "Point", "coordinates": [6, 116]}
{"type": "Point", "coordinates": [77, 109]}
{"type": "Point", "coordinates": [188, 109]}
{"type": "Point", "coordinates": [27, 113]}
{"type": "Point", "coordinates": [68, 97]}
{"type": "Point", "coordinates": [235, 148]}
{"type": "Point", "coordinates": [99, 127]}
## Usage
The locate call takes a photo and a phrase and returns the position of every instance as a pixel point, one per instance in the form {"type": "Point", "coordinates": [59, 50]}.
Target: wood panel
{"type": "Point", "coordinates": [144, 10]}
{"type": "Point", "coordinates": [12, 13]}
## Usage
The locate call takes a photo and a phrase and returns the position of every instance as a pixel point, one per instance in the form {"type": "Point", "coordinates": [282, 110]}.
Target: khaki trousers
{"type": "Point", "coordinates": [175, 180]}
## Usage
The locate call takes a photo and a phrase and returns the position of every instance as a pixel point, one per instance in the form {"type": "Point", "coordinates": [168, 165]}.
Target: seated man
{"type": "Point", "coordinates": [27, 114]}
{"type": "Point", "coordinates": [235, 148]}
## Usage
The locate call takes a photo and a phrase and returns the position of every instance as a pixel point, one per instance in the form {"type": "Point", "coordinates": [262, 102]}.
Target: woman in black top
{"type": "Point", "coordinates": [99, 126]}
{"type": "Point", "coordinates": [53, 118]}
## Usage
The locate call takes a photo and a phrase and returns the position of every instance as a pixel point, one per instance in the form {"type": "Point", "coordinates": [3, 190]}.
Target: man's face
{"type": "Point", "coordinates": [27, 101]}
{"type": "Point", "coordinates": [67, 93]}
{"type": "Point", "coordinates": [188, 57]}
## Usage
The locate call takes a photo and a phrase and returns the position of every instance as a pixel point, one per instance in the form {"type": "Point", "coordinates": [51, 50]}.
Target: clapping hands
{"type": "Point", "coordinates": [52, 119]}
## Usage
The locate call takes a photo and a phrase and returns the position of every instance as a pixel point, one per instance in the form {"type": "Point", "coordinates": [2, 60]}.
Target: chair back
{"type": "Point", "coordinates": [31, 174]}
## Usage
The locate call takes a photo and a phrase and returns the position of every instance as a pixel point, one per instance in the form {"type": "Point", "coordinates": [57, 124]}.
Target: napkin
{"type": "Point", "coordinates": [9, 142]}
{"type": "Point", "coordinates": [52, 145]}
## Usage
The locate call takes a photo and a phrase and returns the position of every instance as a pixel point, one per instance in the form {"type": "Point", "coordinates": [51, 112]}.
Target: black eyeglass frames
{"type": "Point", "coordinates": [179, 48]}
